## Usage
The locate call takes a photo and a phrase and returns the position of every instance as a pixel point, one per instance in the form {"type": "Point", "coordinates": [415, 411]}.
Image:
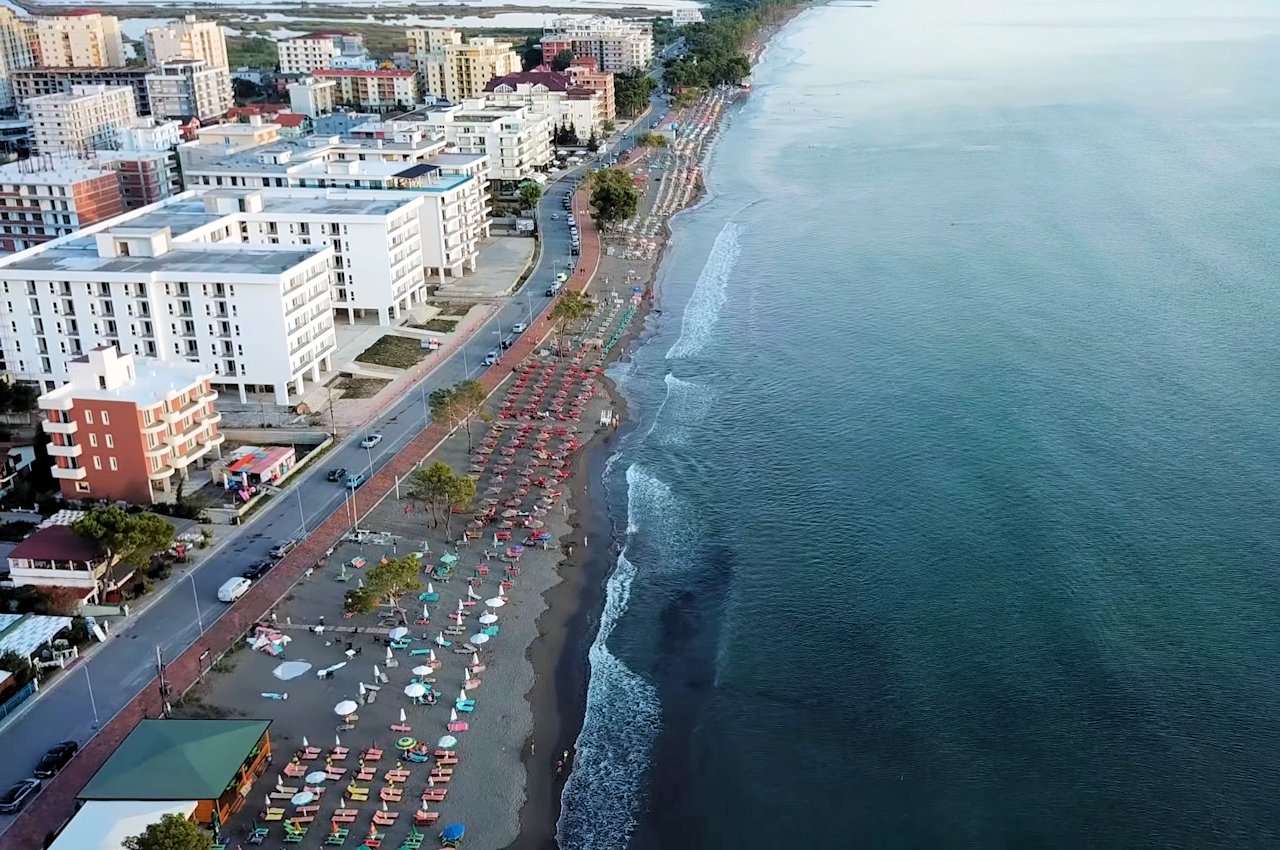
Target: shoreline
{"type": "Point", "coordinates": [568, 626]}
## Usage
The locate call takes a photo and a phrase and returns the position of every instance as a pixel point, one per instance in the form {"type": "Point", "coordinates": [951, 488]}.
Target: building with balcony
{"type": "Point", "coordinates": [85, 118]}
{"type": "Point", "coordinates": [617, 45]}
{"type": "Point", "coordinates": [684, 17]}
{"type": "Point", "coordinates": [552, 93]}
{"type": "Point", "coordinates": [313, 97]}
{"type": "Point", "coordinates": [189, 38]}
{"type": "Point", "coordinates": [15, 53]}
{"type": "Point", "coordinates": [81, 39]}
{"type": "Point", "coordinates": [124, 428]}
{"type": "Point", "coordinates": [453, 68]}
{"type": "Point", "coordinates": [42, 199]}
{"type": "Point", "coordinates": [55, 556]}
{"type": "Point", "coordinates": [190, 88]}
{"type": "Point", "coordinates": [305, 54]}
{"type": "Point", "coordinates": [515, 138]}
{"type": "Point", "coordinates": [380, 90]}
{"type": "Point", "coordinates": [34, 82]}
{"type": "Point", "coordinates": [175, 283]}
{"type": "Point", "coordinates": [585, 73]}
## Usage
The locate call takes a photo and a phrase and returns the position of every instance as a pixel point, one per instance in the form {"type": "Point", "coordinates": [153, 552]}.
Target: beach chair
{"type": "Point", "coordinates": [391, 794]}
{"type": "Point", "coordinates": [258, 834]}
{"type": "Point", "coordinates": [401, 727]}
{"type": "Point", "coordinates": [335, 773]}
{"type": "Point", "coordinates": [422, 651]}
{"type": "Point", "coordinates": [358, 793]}
{"type": "Point", "coordinates": [397, 774]}
{"type": "Point", "coordinates": [293, 833]}
{"type": "Point", "coordinates": [422, 817]}
{"type": "Point", "coordinates": [403, 643]}
{"type": "Point", "coordinates": [447, 760]}
{"type": "Point", "coordinates": [273, 814]}
{"type": "Point", "coordinates": [338, 753]}
{"type": "Point", "coordinates": [295, 770]}
{"type": "Point", "coordinates": [434, 795]}
{"type": "Point", "coordinates": [413, 841]}
{"type": "Point", "coordinates": [381, 818]}
{"type": "Point", "coordinates": [309, 753]}
{"type": "Point", "coordinates": [338, 836]}
{"type": "Point", "coordinates": [370, 754]}
{"type": "Point", "coordinates": [375, 838]}
{"type": "Point", "coordinates": [345, 815]}
{"type": "Point", "coordinates": [366, 774]}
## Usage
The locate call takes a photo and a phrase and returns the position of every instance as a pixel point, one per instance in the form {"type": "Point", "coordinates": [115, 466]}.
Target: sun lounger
{"type": "Point", "coordinates": [287, 789]}
{"type": "Point", "coordinates": [434, 795]}
{"type": "Point", "coordinates": [423, 651]}
{"type": "Point", "coordinates": [366, 774]}
{"type": "Point", "coordinates": [422, 818]}
{"type": "Point", "coordinates": [335, 773]}
{"type": "Point", "coordinates": [401, 727]}
{"type": "Point", "coordinates": [440, 778]}
{"type": "Point", "coordinates": [273, 814]}
{"type": "Point", "coordinates": [403, 643]}
{"type": "Point", "coordinates": [300, 818]}
{"type": "Point", "coordinates": [443, 754]}
{"type": "Point", "coordinates": [374, 840]}
{"type": "Point", "coordinates": [457, 726]}
{"type": "Point", "coordinates": [390, 794]}
{"type": "Point", "coordinates": [259, 833]}
{"type": "Point", "coordinates": [445, 761]}
{"type": "Point", "coordinates": [437, 772]}
{"type": "Point", "coordinates": [397, 775]}
{"type": "Point", "coordinates": [338, 753]}
{"type": "Point", "coordinates": [346, 815]}
{"type": "Point", "coordinates": [414, 839]}
{"type": "Point", "coordinates": [309, 754]}
{"type": "Point", "coordinates": [337, 837]}
{"type": "Point", "coordinates": [295, 770]}
{"type": "Point", "coordinates": [371, 754]}
{"type": "Point", "coordinates": [286, 794]}
{"type": "Point", "coordinates": [359, 793]}
{"type": "Point", "coordinates": [382, 818]}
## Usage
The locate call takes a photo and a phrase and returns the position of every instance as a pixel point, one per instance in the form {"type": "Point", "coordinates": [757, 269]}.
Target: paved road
{"type": "Point", "coordinates": [117, 670]}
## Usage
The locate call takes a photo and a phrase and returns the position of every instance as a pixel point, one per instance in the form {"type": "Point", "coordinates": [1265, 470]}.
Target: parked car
{"type": "Point", "coordinates": [555, 216]}
{"type": "Point", "coordinates": [354, 480]}
{"type": "Point", "coordinates": [337, 474]}
{"type": "Point", "coordinates": [507, 342]}
{"type": "Point", "coordinates": [554, 289]}
{"type": "Point", "coordinates": [519, 328]}
{"type": "Point", "coordinates": [370, 441]}
{"type": "Point", "coordinates": [562, 277]}
{"type": "Point", "coordinates": [18, 795]}
{"type": "Point", "coordinates": [56, 759]}
{"type": "Point", "coordinates": [283, 548]}
{"type": "Point", "coordinates": [258, 570]}
{"type": "Point", "coordinates": [491, 358]}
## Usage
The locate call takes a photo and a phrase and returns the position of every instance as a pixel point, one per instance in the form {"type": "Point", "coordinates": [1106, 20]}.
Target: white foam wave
{"type": "Point", "coordinates": [709, 295]}
{"type": "Point", "coordinates": [605, 790]}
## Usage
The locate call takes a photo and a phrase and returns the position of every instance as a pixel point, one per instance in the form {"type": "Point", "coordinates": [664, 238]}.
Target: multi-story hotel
{"type": "Point", "coordinates": [83, 39]}
{"type": "Point", "coordinates": [34, 82]}
{"type": "Point", "coordinates": [316, 51]}
{"type": "Point", "coordinates": [516, 138]}
{"type": "Point", "coordinates": [189, 88]}
{"type": "Point", "coordinates": [15, 53]}
{"type": "Point", "coordinates": [585, 72]}
{"type": "Point", "coordinates": [552, 93]}
{"type": "Point", "coordinates": [618, 45]}
{"type": "Point", "coordinates": [124, 427]}
{"type": "Point", "coordinates": [189, 38]}
{"type": "Point", "coordinates": [312, 97]}
{"type": "Point", "coordinates": [81, 120]}
{"type": "Point", "coordinates": [43, 198]}
{"type": "Point", "coordinates": [455, 69]}
{"type": "Point", "coordinates": [383, 89]}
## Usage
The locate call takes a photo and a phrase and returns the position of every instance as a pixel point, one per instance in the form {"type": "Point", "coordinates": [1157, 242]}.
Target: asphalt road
{"type": "Point", "coordinates": [118, 669]}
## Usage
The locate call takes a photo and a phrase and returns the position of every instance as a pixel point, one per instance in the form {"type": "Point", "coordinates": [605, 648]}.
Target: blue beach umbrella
{"type": "Point", "coordinates": [453, 832]}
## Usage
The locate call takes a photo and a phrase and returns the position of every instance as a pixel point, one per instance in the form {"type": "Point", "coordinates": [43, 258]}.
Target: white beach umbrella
{"type": "Point", "coordinates": [430, 589]}
{"type": "Point", "coordinates": [377, 674]}
{"type": "Point", "coordinates": [345, 708]}
{"type": "Point", "coordinates": [462, 695]}
{"type": "Point", "coordinates": [337, 741]}
{"type": "Point", "coordinates": [304, 741]}
{"type": "Point", "coordinates": [432, 656]}
{"type": "Point", "coordinates": [471, 592]}
{"type": "Point", "coordinates": [453, 715]}
{"type": "Point", "coordinates": [390, 657]}
{"type": "Point", "coordinates": [398, 632]}
{"type": "Point", "coordinates": [489, 618]}
{"type": "Point", "coordinates": [402, 717]}
{"type": "Point", "coordinates": [501, 593]}
{"type": "Point", "coordinates": [478, 639]}
{"type": "Point", "coordinates": [426, 615]}
{"type": "Point", "coordinates": [459, 606]}
{"type": "Point", "coordinates": [495, 602]}
{"type": "Point", "coordinates": [414, 690]}
{"type": "Point", "coordinates": [475, 658]}
{"type": "Point", "coordinates": [268, 801]}
{"type": "Point", "coordinates": [422, 670]}
{"type": "Point", "coordinates": [440, 641]}
{"type": "Point", "coordinates": [342, 802]}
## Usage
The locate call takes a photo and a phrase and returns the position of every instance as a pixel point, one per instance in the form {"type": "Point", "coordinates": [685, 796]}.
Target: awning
{"type": "Point", "coordinates": [105, 824]}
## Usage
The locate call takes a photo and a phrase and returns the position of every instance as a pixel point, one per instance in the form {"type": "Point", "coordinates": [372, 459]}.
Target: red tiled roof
{"type": "Point", "coordinates": [318, 34]}
{"type": "Point", "coordinates": [289, 119]}
{"type": "Point", "coordinates": [381, 72]}
{"type": "Point", "coordinates": [56, 543]}
{"type": "Point", "coordinates": [553, 80]}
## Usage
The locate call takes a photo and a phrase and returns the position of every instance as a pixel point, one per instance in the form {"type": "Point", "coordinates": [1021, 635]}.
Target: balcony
{"type": "Point", "coordinates": [160, 474]}
{"type": "Point", "coordinates": [60, 427]}
{"type": "Point", "coordinates": [206, 397]}
{"type": "Point", "coordinates": [73, 450]}
{"type": "Point", "coordinates": [156, 426]}
{"type": "Point", "coordinates": [70, 473]}
{"type": "Point", "coordinates": [188, 409]}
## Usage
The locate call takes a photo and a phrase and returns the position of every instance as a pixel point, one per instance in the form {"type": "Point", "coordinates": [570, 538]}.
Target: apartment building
{"type": "Point", "coordinates": [312, 97]}
{"type": "Point", "coordinates": [189, 38]}
{"type": "Point", "coordinates": [190, 88]}
{"type": "Point", "coordinates": [146, 161]}
{"type": "Point", "coordinates": [80, 39]}
{"type": "Point", "coordinates": [585, 73]}
{"type": "Point", "coordinates": [377, 90]}
{"type": "Point", "coordinates": [126, 428]}
{"type": "Point", "coordinates": [44, 198]}
{"type": "Point", "coordinates": [178, 283]}
{"type": "Point", "coordinates": [617, 45]}
{"type": "Point", "coordinates": [15, 53]}
{"type": "Point", "coordinates": [85, 118]}
{"type": "Point", "coordinates": [398, 156]}
{"type": "Point", "coordinates": [455, 69]}
{"type": "Point", "coordinates": [684, 17]}
{"type": "Point", "coordinates": [552, 93]}
{"type": "Point", "coordinates": [515, 138]}
{"type": "Point", "coordinates": [35, 82]}
{"type": "Point", "coordinates": [316, 51]}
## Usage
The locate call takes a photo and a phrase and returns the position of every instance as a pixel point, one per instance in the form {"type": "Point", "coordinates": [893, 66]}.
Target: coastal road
{"type": "Point", "coordinates": [115, 671]}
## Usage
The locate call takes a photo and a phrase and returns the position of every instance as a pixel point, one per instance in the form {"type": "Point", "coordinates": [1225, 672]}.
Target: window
{"type": "Point", "coordinates": [97, 463]}
{"type": "Point", "coordinates": [82, 487]}
{"type": "Point", "coordinates": [112, 462]}
{"type": "Point", "coordinates": [88, 417]}
{"type": "Point", "coordinates": [93, 440]}
{"type": "Point", "coordinates": [111, 442]}
{"type": "Point", "coordinates": [106, 420]}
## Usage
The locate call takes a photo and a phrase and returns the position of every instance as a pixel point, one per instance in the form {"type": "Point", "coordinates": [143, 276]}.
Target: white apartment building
{"type": "Point", "coordinates": [15, 53]}
{"type": "Point", "coordinates": [516, 139]}
{"type": "Point", "coordinates": [378, 90]}
{"type": "Point", "coordinates": [312, 97]}
{"type": "Point", "coordinates": [618, 45]}
{"type": "Point", "coordinates": [34, 82]}
{"type": "Point", "coordinates": [453, 69]}
{"type": "Point", "coordinates": [400, 156]}
{"type": "Point", "coordinates": [81, 120]}
{"type": "Point", "coordinates": [189, 38]}
{"type": "Point", "coordinates": [552, 93]}
{"type": "Point", "coordinates": [315, 51]}
{"type": "Point", "coordinates": [684, 17]}
{"type": "Point", "coordinates": [83, 39]}
{"type": "Point", "coordinates": [175, 283]}
{"type": "Point", "coordinates": [186, 88]}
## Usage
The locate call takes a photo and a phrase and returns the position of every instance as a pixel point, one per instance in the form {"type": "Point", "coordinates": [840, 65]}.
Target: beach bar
{"type": "Point", "coordinates": [211, 762]}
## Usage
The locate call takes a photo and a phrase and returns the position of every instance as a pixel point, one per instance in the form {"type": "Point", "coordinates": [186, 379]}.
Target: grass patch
{"type": "Point", "coordinates": [452, 308]}
{"type": "Point", "coordinates": [398, 352]}
{"type": "Point", "coordinates": [440, 326]}
{"type": "Point", "coordinates": [361, 387]}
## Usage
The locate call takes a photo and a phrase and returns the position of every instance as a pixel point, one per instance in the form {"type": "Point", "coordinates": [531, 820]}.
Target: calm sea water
{"type": "Point", "coordinates": [953, 509]}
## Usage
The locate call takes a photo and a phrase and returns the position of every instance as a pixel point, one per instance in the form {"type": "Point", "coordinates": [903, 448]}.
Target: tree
{"type": "Point", "coordinates": [564, 135]}
{"type": "Point", "coordinates": [385, 584]}
{"type": "Point", "coordinates": [126, 538]}
{"type": "Point", "coordinates": [433, 487]}
{"type": "Point", "coordinates": [614, 197]}
{"type": "Point", "coordinates": [530, 54]}
{"type": "Point", "coordinates": [19, 665]}
{"type": "Point", "coordinates": [631, 92]}
{"type": "Point", "coordinates": [530, 192]}
{"type": "Point", "coordinates": [571, 307]}
{"type": "Point", "coordinates": [462, 494]}
{"type": "Point", "coordinates": [171, 832]}
{"type": "Point", "coordinates": [562, 60]}
{"type": "Point", "coordinates": [609, 127]}
{"type": "Point", "coordinates": [593, 143]}
{"type": "Point", "coordinates": [652, 140]}
{"type": "Point", "coordinates": [468, 400]}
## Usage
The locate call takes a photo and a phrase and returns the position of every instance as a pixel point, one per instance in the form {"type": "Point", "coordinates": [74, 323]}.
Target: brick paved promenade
{"type": "Point", "coordinates": [57, 803]}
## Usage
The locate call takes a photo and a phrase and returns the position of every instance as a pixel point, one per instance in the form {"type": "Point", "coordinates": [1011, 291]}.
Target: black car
{"type": "Point", "coordinates": [17, 796]}
{"type": "Point", "coordinates": [507, 342]}
{"type": "Point", "coordinates": [258, 570]}
{"type": "Point", "coordinates": [56, 759]}
{"type": "Point", "coordinates": [337, 474]}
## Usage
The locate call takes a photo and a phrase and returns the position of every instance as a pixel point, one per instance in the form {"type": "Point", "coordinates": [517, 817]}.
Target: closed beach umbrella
{"type": "Point", "coordinates": [304, 741]}
{"type": "Point", "coordinates": [402, 717]}
{"type": "Point", "coordinates": [377, 674]}
{"type": "Point", "coordinates": [345, 708]}
{"type": "Point", "coordinates": [398, 632]}
{"type": "Point", "coordinates": [478, 639]}
{"type": "Point", "coordinates": [422, 670]}
{"type": "Point", "coordinates": [462, 695]}
{"type": "Point", "coordinates": [389, 655]}
{"type": "Point", "coordinates": [475, 658]}
{"type": "Point", "coordinates": [432, 656]}
{"type": "Point", "coordinates": [337, 741]}
{"type": "Point", "coordinates": [430, 589]}
{"type": "Point", "coordinates": [471, 592]}
{"type": "Point", "coordinates": [362, 690]}
{"type": "Point", "coordinates": [453, 715]}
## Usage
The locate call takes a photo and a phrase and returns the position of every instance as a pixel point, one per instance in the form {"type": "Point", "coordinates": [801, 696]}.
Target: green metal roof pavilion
{"type": "Point", "coordinates": [176, 760]}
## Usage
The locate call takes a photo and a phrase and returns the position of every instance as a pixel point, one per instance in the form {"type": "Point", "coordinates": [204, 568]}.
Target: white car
{"type": "Point", "coordinates": [519, 328]}
{"type": "Point", "coordinates": [491, 358]}
{"type": "Point", "coordinates": [370, 441]}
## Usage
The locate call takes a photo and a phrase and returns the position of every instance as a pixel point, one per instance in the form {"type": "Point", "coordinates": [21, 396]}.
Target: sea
{"type": "Point", "coordinates": [950, 510]}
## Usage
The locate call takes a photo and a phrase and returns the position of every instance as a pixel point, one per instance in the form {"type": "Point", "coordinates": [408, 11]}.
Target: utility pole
{"type": "Point", "coordinates": [165, 690]}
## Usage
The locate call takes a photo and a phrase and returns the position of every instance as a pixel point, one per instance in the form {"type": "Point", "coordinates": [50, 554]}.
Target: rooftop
{"type": "Point", "coordinates": [57, 172]}
{"type": "Point", "coordinates": [105, 824]}
{"type": "Point", "coordinates": [153, 381]}
{"type": "Point", "coordinates": [56, 543]}
{"type": "Point", "coordinates": [381, 72]}
{"type": "Point", "coordinates": [552, 80]}
{"type": "Point", "coordinates": [26, 633]}
{"type": "Point", "coordinates": [79, 253]}
{"type": "Point", "coordinates": [176, 760]}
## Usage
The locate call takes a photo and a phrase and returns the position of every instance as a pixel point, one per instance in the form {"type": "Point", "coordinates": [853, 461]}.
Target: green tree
{"type": "Point", "coordinates": [614, 197]}
{"type": "Point", "coordinates": [652, 140]}
{"type": "Point", "coordinates": [631, 92]}
{"type": "Point", "coordinates": [433, 487]}
{"type": "Point", "coordinates": [530, 53]}
{"type": "Point", "coordinates": [19, 665]}
{"type": "Point", "coordinates": [468, 400]}
{"type": "Point", "coordinates": [593, 143]}
{"type": "Point", "coordinates": [126, 538]}
{"type": "Point", "coordinates": [384, 584]}
{"type": "Point", "coordinates": [530, 192]}
{"type": "Point", "coordinates": [462, 494]}
{"type": "Point", "coordinates": [561, 60]}
{"type": "Point", "coordinates": [171, 832]}
{"type": "Point", "coordinates": [571, 307]}
{"type": "Point", "coordinates": [609, 127]}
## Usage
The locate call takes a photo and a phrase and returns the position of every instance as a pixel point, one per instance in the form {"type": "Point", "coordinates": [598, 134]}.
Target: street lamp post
{"type": "Point", "coordinates": [302, 516]}
{"type": "Point", "coordinates": [93, 703]}
{"type": "Point", "coordinates": [196, 596]}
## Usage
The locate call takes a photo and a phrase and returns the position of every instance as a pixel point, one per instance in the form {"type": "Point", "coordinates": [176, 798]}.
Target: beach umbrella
{"type": "Point", "coordinates": [462, 695]}
{"type": "Point", "coordinates": [440, 641]}
{"type": "Point", "coordinates": [495, 602]}
{"type": "Point", "coordinates": [362, 690]}
{"type": "Point", "coordinates": [390, 657]}
{"type": "Point", "coordinates": [478, 639]}
{"type": "Point", "coordinates": [471, 592]}
{"type": "Point", "coordinates": [432, 656]}
{"type": "Point", "coordinates": [453, 715]}
{"type": "Point", "coordinates": [279, 782]}
{"type": "Point", "coordinates": [398, 632]}
{"type": "Point", "coordinates": [402, 717]}
{"type": "Point", "coordinates": [459, 606]}
{"type": "Point", "coordinates": [342, 802]}
{"type": "Point", "coordinates": [426, 615]}
{"type": "Point", "coordinates": [317, 777]}
{"type": "Point", "coordinates": [422, 670]}
{"type": "Point", "coordinates": [406, 743]}
{"type": "Point", "coordinates": [384, 805]}
{"type": "Point", "coordinates": [377, 674]}
{"type": "Point", "coordinates": [345, 708]}
{"type": "Point", "coordinates": [268, 801]}
{"type": "Point", "coordinates": [475, 658]}
{"type": "Point", "coordinates": [302, 798]}
{"type": "Point", "coordinates": [414, 690]}
{"type": "Point", "coordinates": [430, 589]}
{"type": "Point", "coordinates": [304, 741]}
{"type": "Point", "coordinates": [502, 594]}
{"type": "Point", "coordinates": [488, 618]}
{"type": "Point", "coordinates": [453, 832]}
{"type": "Point", "coordinates": [447, 741]}
{"type": "Point", "coordinates": [337, 741]}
